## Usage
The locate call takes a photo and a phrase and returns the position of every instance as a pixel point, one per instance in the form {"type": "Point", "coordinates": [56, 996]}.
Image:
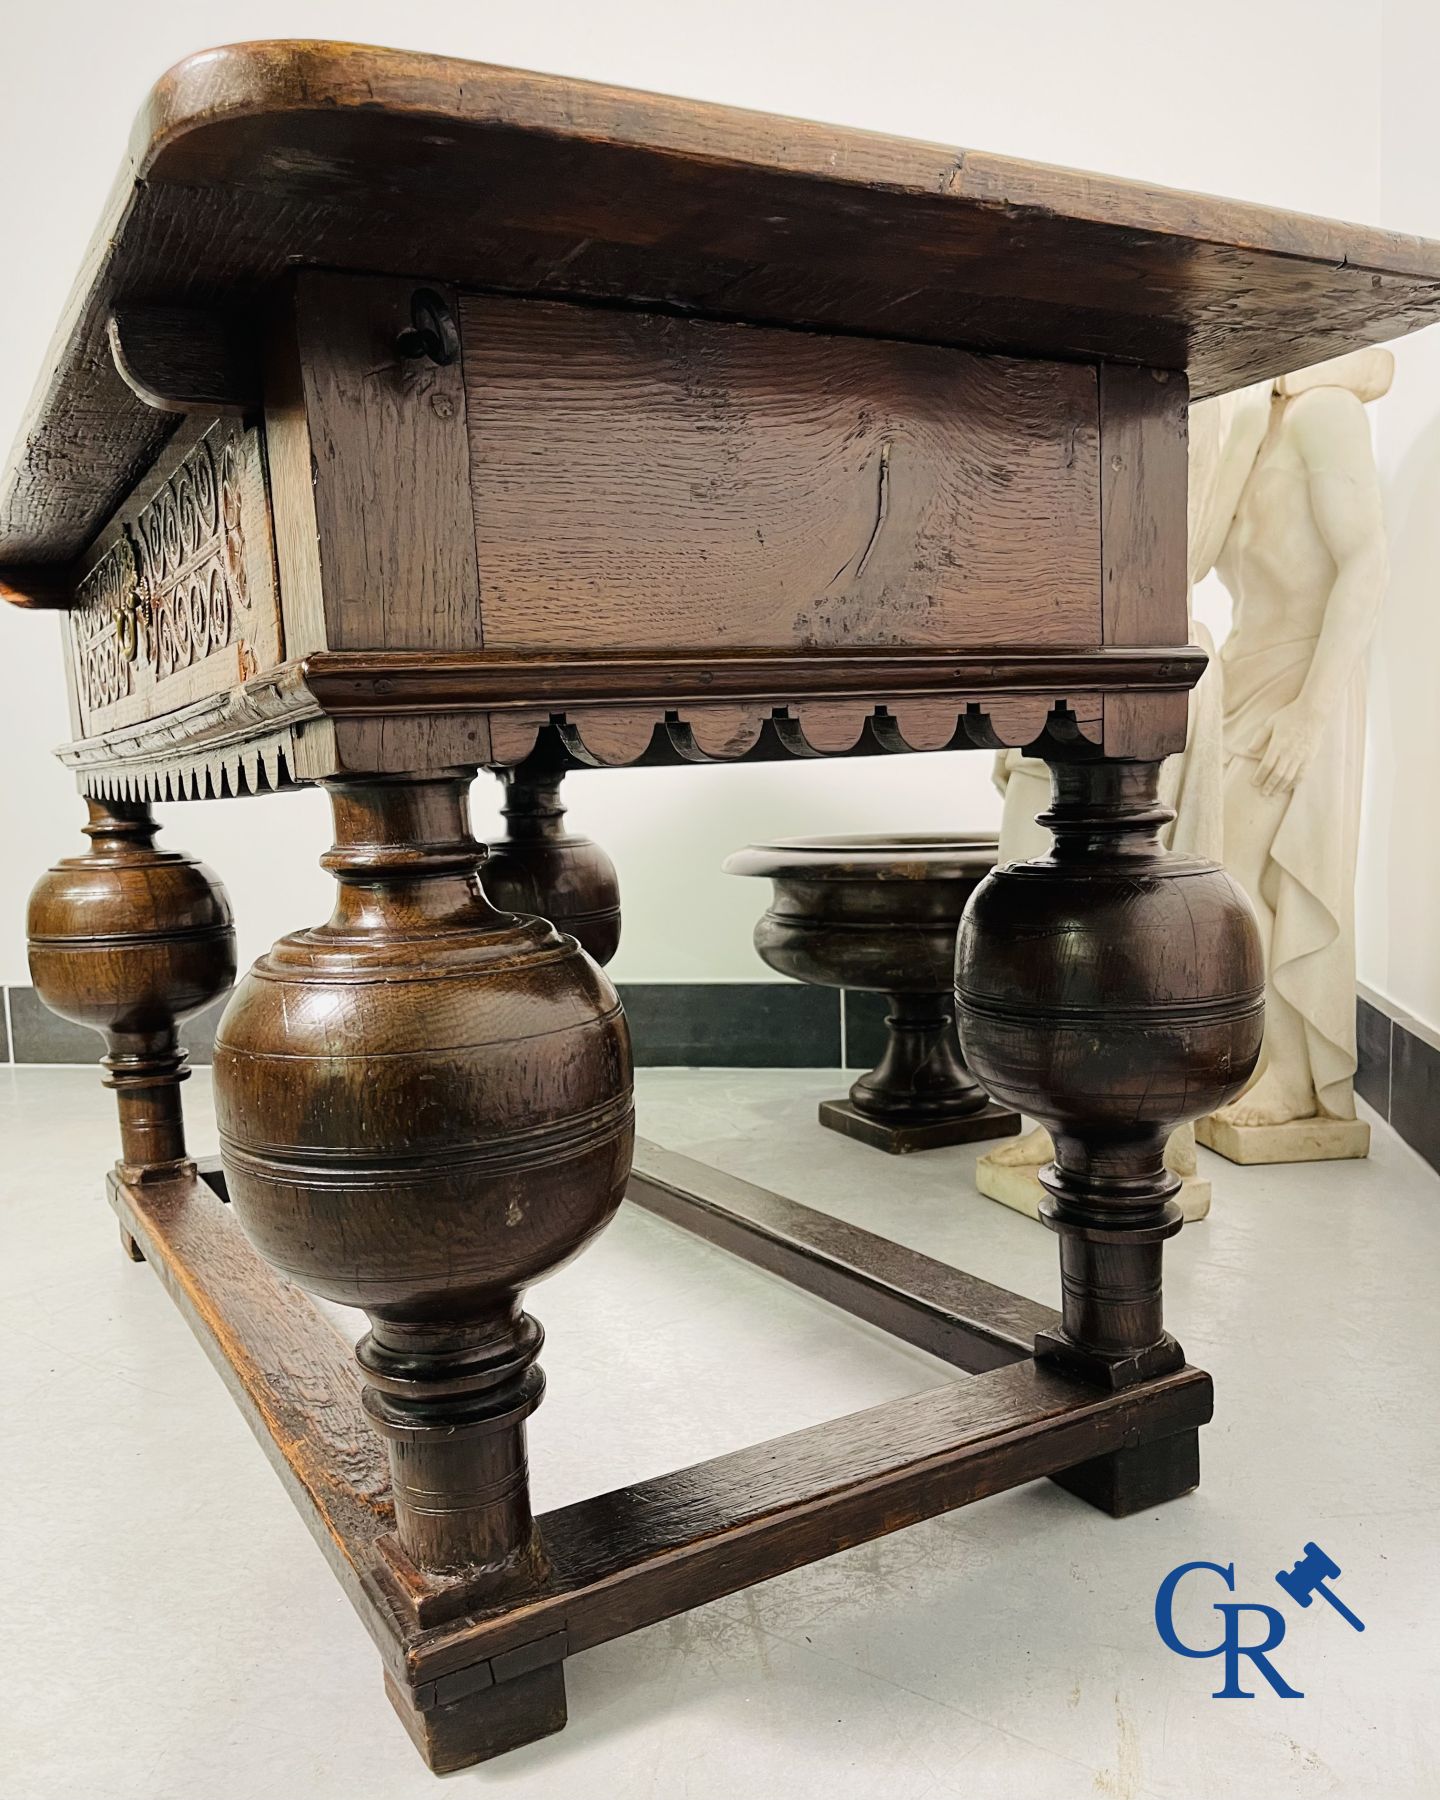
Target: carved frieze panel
{"type": "Point", "coordinates": [178, 600]}
{"type": "Point", "coordinates": [599, 737]}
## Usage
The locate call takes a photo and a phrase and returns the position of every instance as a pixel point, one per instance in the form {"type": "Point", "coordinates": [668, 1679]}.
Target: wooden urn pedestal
{"type": "Point", "coordinates": [879, 915]}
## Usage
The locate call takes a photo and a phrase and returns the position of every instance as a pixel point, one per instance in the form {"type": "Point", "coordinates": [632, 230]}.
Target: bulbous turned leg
{"type": "Point", "coordinates": [539, 867]}
{"type": "Point", "coordinates": [131, 940]}
{"type": "Point", "coordinates": [424, 1107]}
{"type": "Point", "coordinates": [451, 1402]}
{"type": "Point", "coordinates": [1112, 991]}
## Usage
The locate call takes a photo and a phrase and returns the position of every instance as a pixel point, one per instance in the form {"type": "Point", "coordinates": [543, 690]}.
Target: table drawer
{"type": "Point", "coordinates": [640, 479]}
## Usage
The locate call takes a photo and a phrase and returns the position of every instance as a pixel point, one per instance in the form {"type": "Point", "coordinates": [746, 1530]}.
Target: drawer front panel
{"type": "Point", "coordinates": [640, 480]}
{"type": "Point", "coordinates": [178, 596]}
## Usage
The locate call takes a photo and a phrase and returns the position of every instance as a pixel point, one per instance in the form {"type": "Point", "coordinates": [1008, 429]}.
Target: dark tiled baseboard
{"type": "Point", "coordinates": [733, 1024]}
{"type": "Point", "coordinates": [1372, 1078]}
{"type": "Point", "coordinates": [1399, 1075]}
{"type": "Point", "coordinates": [784, 1024]}
{"type": "Point", "coordinates": [864, 1028]}
{"type": "Point", "coordinates": [713, 1024]}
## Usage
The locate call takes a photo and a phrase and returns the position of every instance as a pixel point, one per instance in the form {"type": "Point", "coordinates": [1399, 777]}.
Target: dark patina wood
{"type": "Point", "coordinates": [424, 1105]}
{"type": "Point", "coordinates": [879, 914]}
{"type": "Point", "coordinates": [540, 867]}
{"type": "Point", "coordinates": [947, 1312]}
{"type": "Point", "coordinates": [950, 500]}
{"type": "Point", "coordinates": [471, 1681]}
{"type": "Point", "coordinates": [1112, 991]}
{"type": "Point", "coordinates": [260, 156]}
{"type": "Point", "coordinates": [412, 418]}
{"type": "Point", "coordinates": [186, 359]}
{"type": "Point", "coordinates": [131, 940]}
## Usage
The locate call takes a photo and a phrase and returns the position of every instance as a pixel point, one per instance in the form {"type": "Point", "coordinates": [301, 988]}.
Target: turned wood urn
{"type": "Point", "coordinates": [130, 940]}
{"type": "Point", "coordinates": [1110, 983]}
{"type": "Point", "coordinates": [540, 867]}
{"type": "Point", "coordinates": [424, 1104]}
{"type": "Point", "coordinates": [1112, 990]}
{"type": "Point", "coordinates": [880, 914]}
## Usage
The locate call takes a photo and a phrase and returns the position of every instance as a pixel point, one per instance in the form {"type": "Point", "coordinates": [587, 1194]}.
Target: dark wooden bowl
{"type": "Point", "coordinates": [880, 914]}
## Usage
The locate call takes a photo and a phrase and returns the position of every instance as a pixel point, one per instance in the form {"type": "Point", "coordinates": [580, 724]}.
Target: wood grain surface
{"type": "Point", "coordinates": [954, 1315]}
{"type": "Point", "coordinates": [655, 1548]}
{"type": "Point", "coordinates": [288, 1368]}
{"type": "Point", "coordinates": [624, 1559]}
{"type": "Point", "coordinates": [372, 481]}
{"type": "Point", "coordinates": [401, 710]}
{"type": "Point", "coordinates": [1144, 462]}
{"type": "Point", "coordinates": [185, 359]}
{"type": "Point", "coordinates": [639, 479]}
{"type": "Point", "coordinates": [248, 161]}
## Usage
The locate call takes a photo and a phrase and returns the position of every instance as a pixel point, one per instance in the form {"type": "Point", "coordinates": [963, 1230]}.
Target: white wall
{"type": "Point", "coordinates": [1398, 889]}
{"type": "Point", "coordinates": [1274, 100]}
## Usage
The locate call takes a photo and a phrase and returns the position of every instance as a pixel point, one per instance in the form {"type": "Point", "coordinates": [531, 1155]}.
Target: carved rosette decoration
{"type": "Point", "coordinates": [107, 626]}
{"type": "Point", "coordinates": [188, 535]}
{"type": "Point", "coordinates": [166, 591]}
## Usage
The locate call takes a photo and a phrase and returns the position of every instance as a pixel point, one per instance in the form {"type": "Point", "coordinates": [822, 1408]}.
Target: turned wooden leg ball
{"type": "Point", "coordinates": [540, 867]}
{"type": "Point", "coordinates": [880, 914]}
{"type": "Point", "coordinates": [1112, 991]}
{"type": "Point", "coordinates": [131, 940]}
{"type": "Point", "coordinates": [425, 1106]}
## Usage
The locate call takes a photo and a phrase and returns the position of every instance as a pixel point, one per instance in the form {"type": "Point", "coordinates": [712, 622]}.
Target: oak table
{"type": "Point", "coordinates": [413, 417]}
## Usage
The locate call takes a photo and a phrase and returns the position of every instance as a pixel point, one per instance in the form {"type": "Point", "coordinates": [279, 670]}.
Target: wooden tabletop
{"type": "Point", "coordinates": [250, 160]}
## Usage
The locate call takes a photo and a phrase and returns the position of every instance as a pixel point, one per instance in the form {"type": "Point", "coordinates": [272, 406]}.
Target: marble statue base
{"type": "Point", "coordinates": [1298, 1140]}
{"type": "Point", "coordinates": [1018, 1187]}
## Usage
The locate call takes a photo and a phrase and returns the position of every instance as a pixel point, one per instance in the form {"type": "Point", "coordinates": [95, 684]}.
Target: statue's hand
{"type": "Point", "coordinates": [1294, 734]}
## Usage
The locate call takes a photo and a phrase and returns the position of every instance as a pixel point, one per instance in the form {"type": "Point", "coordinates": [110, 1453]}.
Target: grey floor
{"type": "Point", "coordinates": [170, 1631]}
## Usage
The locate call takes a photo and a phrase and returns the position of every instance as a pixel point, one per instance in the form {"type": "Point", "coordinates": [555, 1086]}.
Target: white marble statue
{"type": "Point", "coordinates": [1304, 558]}
{"type": "Point", "coordinates": [1190, 783]}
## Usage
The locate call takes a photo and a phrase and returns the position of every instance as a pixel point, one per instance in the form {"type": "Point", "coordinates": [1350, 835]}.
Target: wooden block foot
{"type": "Point", "coordinates": [486, 1681]}
{"type": "Point", "coordinates": [1131, 1481]}
{"type": "Point", "coordinates": [899, 1140]}
{"type": "Point", "coordinates": [455, 1734]}
{"type": "Point", "coordinates": [130, 1247]}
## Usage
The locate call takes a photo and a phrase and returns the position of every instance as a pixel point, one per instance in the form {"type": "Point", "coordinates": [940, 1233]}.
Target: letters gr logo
{"type": "Point", "coordinates": [1230, 1645]}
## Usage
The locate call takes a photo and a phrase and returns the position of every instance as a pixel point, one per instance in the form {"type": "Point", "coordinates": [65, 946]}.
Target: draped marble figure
{"type": "Point", "coordinates": [1285, 507]}
{"type": "Point", "coordinates": [1304, 559]}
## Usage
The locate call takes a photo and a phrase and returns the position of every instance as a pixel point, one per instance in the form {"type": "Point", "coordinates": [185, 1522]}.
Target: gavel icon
{"type": "Point", "coordinates": [1308, 1578]}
